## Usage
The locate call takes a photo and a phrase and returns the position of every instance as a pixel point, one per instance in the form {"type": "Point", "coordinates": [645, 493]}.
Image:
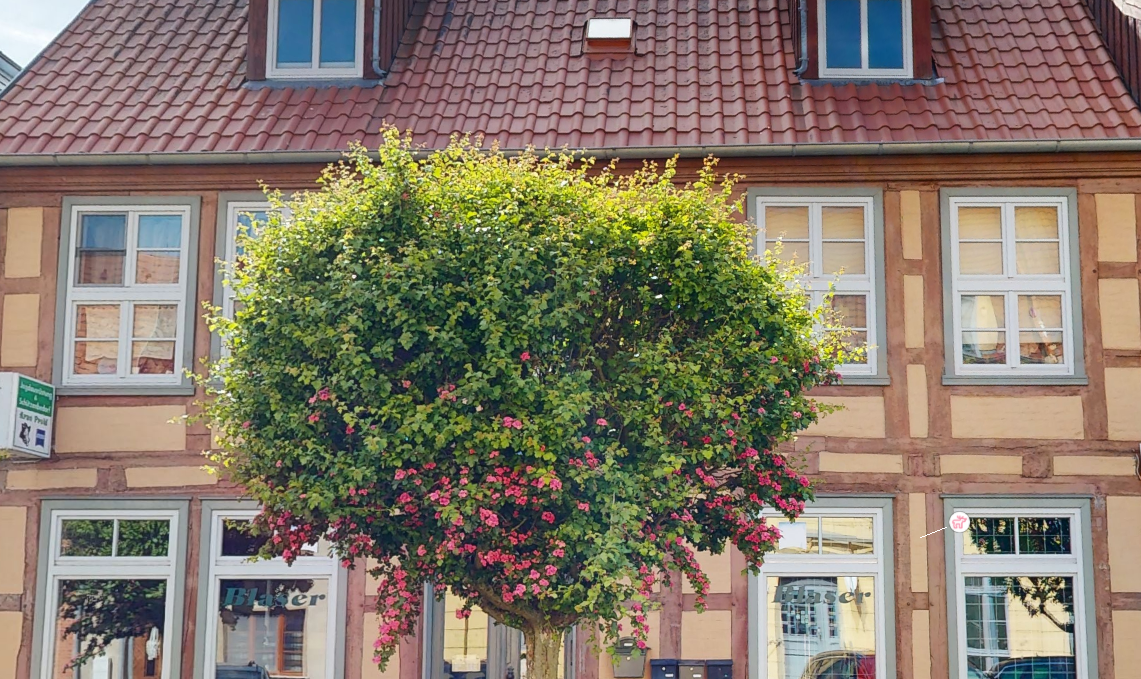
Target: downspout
{"type": "Point", "coordinates": [802, 8]}
{"type": "Point", "coordinates": [380, 72]}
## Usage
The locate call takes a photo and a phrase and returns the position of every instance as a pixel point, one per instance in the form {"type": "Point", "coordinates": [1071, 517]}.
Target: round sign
{"type": "Point", "coordinates": [959, 522]}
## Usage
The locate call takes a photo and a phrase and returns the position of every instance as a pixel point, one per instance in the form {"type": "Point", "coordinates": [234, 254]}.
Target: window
{"type": "Point", "coordinates": [1011, 287]}
{"type": "Point", "coordinates": [823, 598]}
{"type": "Point", "coordinates": [865, 38]}
{"type": "Point", "coordinates": [240, 217]}
{"type": "Point", "coordinates": [315, 38]}
{"type": "Point", "coordinates": [1019, 594]}
{"type": "Point", "coordinates": [281, 618]}
{"type": "Point", "coordinates": [835, 237]}
{"type": "Point", "coordinates": [110, 597]}
{"type": "Point", "coordinates": [127, 275]}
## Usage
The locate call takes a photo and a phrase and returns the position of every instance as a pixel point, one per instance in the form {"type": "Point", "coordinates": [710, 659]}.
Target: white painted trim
{"type": "Point", "coordinates": [864, 72]}
{"type": "Point", "coordinates": [314, 70]}
{"type": "Point", "coordinates": [233, 209]}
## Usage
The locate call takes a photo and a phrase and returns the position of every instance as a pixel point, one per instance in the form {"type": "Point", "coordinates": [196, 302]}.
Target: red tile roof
{"type": "Point", "coordinates": [167, 76]}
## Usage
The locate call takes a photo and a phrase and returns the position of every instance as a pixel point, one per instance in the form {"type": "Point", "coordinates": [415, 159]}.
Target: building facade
{"type": "Point", "coordinates": [967, 173]}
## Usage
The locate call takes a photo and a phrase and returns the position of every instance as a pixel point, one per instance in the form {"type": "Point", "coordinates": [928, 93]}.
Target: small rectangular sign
{"type": "Point", "coordinates": [27, 409]}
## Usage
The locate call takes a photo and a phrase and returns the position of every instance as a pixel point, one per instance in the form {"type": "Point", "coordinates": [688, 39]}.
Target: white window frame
{"type": "Point", "coordinates": [314, 70]}
{"type": "Point", "coordinates": [60, 568]}
{"type": "Point", "coordinates": [1000, 565]}
{"type": "Point", "coordinates": [826, 565]}
{"type": "Point", "coordinates": [1010, 285]}
{"type": "Point", "coordinates": [233, 210]}
{"type": "Point", "coordinates": [864, 71]}
{"type": "Point", "coordinates": [238, 567]}
{"type": "Point", "coordinates": [127, 296]}
{"type": "Point", "coordinates": [818, 283]}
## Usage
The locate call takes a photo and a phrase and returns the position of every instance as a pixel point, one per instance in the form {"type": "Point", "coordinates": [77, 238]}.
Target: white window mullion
{"type": "Point", "coordinates": [316, 63]}
{"type": "Point", "coordinates": [864, 59]}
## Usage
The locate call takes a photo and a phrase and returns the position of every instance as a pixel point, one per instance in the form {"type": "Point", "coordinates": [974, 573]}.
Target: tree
{"type": "Point", "coordinates": [529, 380]}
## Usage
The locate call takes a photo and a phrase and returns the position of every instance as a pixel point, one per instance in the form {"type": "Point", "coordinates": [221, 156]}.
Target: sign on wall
{"type": "Point", "coordinates": [27, 407]}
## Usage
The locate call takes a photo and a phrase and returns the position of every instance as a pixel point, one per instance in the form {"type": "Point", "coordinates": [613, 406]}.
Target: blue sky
{"type": "Point", "coordinates": [26, 26]}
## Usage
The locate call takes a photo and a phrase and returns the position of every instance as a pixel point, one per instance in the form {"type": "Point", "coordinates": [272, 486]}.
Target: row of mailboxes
{"type": "Point", "coordinates": [691, 669]}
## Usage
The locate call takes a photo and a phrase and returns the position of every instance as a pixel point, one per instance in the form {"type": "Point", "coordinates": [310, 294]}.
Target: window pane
{"type": "Point", "coordinates": [799, 537]}
{"type": "Point", "coordinates": [983, 311]}
{"type": "Point", "coordinates": [157, 267]}
{"type": "Point", "coordinates": [984, 348]}
{"type": "Point", "coordinates": [1040, 311]}
{"type": "Point", "coordinates": [279, 624]}
{"type": "Point", "coordinates": [338, 32]}
{"type": "Point", "coordinates": [103, 231]}
{"type": "Point", "coordinates": [846, 535]}
{"type": "Point", "coordinates": [1038, 258]}
{"type": "Point", "coordinates": [238, 541]}
{"type": "Point", "coordinates": [152, 358]}
{"type": "Point", "coordinates": [465, 641]}
{"type": "Point", "coordinates": [100, 267]}
{"type": "Point", "coordinates": [161, 232]}
{"type": "Point", "coordinates": [294, 32]}
{"type": "Point", "coordinates": [821, 627]}
{"type": "Point", "coordinates": [885, 34]}
{"type": "Point", "coordinates": [87, 537]}
{"type": "Point", "coordinates": [853, 341]}
{"type": "Point", "coordinates": [848, 257]}
{"type": "Point", "coordinates": [101, 249]}
{"type": "Point", "coordinates": [786, 222]}
{"type": "Point", "coordinates": [980, 258]}
{"type": "Point", "coordinates": [980, 223]}
{"type": "Point", "coordinates": [851, 310]}
{"type": "Point", "coordinates": [1035, 222]}
{"type": "Point", "coordinates": [843, 38]}
{"type": "Point", "coordinates": [155, 320]}
{"type": "Point", "coordinates": [842, 222]}
{"type": "Point", "coordinates": [144, 538]}
{"type": "Point", "coordinates": [103, 628]}
{"type": "Point", "coordinates": [1043, 535]}
{"type": "Point", "coordinates": [97, 321]}
{"type": "Point", "coordinates": [1041, 348]}
{"type": "Point", "coordinates": [790, 250]}
{"type": "Point", "coordinates": [1021, 627]}
{"type": "Point", "coordinates": [989, 535]}
{"type": "Point", "coordinates": [96, 358]}
{"type": "Point", "coordinates": [249, 222]}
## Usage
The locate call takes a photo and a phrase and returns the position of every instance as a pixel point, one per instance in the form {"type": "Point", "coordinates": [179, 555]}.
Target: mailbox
{"type": "Point", "coordinates": [663, 669]}
{"type": "Point", "coordinates": [691, 669]}
{"type": "Point", "coordinates": [631, 660]}
{"type": "Point", "coordinates": [718, 669]}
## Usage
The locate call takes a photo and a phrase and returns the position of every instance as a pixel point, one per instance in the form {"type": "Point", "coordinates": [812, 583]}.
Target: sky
{"type": "Point", "coordinates": [26, 26]}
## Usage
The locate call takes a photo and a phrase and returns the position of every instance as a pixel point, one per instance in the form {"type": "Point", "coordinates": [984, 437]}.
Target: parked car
{"type": "Point", "coordinates": [250, 671]}
{"type": "Point", "coordinates": [1043, 667]}
{"type": "Point", "coordinates": [841, 665]}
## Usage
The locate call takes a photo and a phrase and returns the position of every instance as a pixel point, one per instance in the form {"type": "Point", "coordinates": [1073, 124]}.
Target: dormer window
{"type": "Point", "coordinates": [865, 39]}
{"type": "Point", "coordinates": [315, 39]}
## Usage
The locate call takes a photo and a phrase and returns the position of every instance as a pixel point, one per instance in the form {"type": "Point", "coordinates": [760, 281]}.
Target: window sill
{"type": "Point", "coordinates": [871, 80]}
{"type": "Point", "coordinates": [279, 83]}
{"type": "Point", "coordinates": [1015, 380]}
{"type": "Point", "coordinates": [127, 390]}
{"type": "Point", "coordinates": [863, 381]}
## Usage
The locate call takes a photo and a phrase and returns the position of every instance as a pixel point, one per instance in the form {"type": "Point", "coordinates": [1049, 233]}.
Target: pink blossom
{"type": "Point", "coordinates": [349, 429]}
{"type": "Point", "coordinates": [774, 359]}
{"type": "Point", "coordinates": [601, 422]}
{"type": "Point", "coordinates": [534, 574]}
{"type": "Point", "coordinates": [796, 414]}
{"type": "Point", "coordinates": [730, 433]}
{"type": "Point", "coordinates": [586, 439]}
{"type": "Point", "coordinates": [314, 417]}
{"type": "Point", "coordinates": [551, 570]}
{"type": "Point", "coordinates": [525, 356]}
{"type": "Point", "coordinates": [279, 464]}
{"type": "Point", "coordinates": [405, 383]}
{"type": "Point", "coordinates": [548, 517]}
{"type": "Point", "coordinates": [400, 473]}
{"type": "Point", "coordinates": [246, 424]}
{"type": "Point", "coordinates": [489, 517]}
{"type": "Point", "coordinates": [584, 506]}
{"type": "Point", "coordinates": [520, 589]}
{"type": "Point", "coordinates": [544, 582]}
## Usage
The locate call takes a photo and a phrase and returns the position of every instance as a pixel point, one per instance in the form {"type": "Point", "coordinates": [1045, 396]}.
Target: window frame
{"type": "Point", "coordinates": [906, 72]}
{"type": "Point", "coordinates": [181, 294]}
{"type": "Point", "coordinates": [872, 282]}
{"type": "Point", "coordinates": [314, 71]}
{"type": "Point", "coordinates": [880, 565]}
{"type": "Point", "coordinates": [1066, 283]}
{"type": "Point", "coordinates": [55, 568]}
{"type": "Point", "coordinates": [1079, 565]}
{"type": "Point", "coordinates": [213, 568]}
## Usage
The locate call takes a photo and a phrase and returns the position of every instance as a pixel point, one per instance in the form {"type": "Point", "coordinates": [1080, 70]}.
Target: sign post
{"type": "Point", "coordinates": [27, 408]}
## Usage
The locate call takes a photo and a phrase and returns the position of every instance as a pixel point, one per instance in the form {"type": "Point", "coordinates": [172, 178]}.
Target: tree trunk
{"type": "Point", "coordinates": [543, 646]}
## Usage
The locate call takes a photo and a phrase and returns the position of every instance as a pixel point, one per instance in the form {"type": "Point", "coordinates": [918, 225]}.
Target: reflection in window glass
{"type": "Point", "coordinates": [143, 538]}
{"type": "Point", "coordinates": [821, 627]}
{"type": "Point", "coordinates": [989, 535]}
{"type": "Point", "coordinates": [115, 537]}
{"type": "Point", "coordinates": [1020, 627]}
{"type": "Point", "coordinates": [846, 535]}
{"type": "Point", "coordinates": [87, 537]}
{"type": "Point", "coordinates": [799, 537]}
{"type": "Point", "coordinates": [239, 540]}
{"type": "Point", "coordinates": [1043, 535]}
{"type": "Point", "coordinates": [279, 625]}
{"type": "Point", "coordinates": [109, 629]}
{"type": "Point", "coordinates": [465, 641]}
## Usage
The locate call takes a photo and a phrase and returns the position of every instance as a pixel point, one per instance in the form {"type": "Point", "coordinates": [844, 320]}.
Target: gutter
{"type": "Point", "coordinates": [380, 72]}
{"type": "Point", "coordinates": [802, 8]}
{"type": "Point", "coordinates": [604, 153]}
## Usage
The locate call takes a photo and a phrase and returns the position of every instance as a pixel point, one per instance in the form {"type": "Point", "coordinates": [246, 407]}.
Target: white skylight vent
{"type": "Point", "coordinates": [609, 29]}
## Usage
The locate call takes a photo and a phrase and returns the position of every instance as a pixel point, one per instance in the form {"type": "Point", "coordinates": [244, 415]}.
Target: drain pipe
{"type": "Point", "coordinates": [802, 8]}
{"type": "Point", "coordinates": [380, 72]}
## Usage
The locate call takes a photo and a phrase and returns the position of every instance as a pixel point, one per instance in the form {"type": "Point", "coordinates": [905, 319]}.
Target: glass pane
{"type": "Point", "coordinates": [885, 34]}
{"type": "Point", "coordinates": [1039, 311]}
{"type": "Point", "coordinates": [155, 320]}
{"type": "Point", "coordinates": [96, 358]}
{"type": "Point", "coordinates": [790, 250]}
{"type": "Point", "coordinates": [1038, 258]}
{"type": "Point", "coordinates": [465, 641]}
{"type": "Point", "coordinates": [983, 311]}
{"type": "Point", "coordinates": [846, 256]}
{"type": "Point", "coordinates": [237, 539]}
{"type": "Point", "coordinates": [103, 232]}
{"type": "Point", "coordinates": [1035, 222]}
{"type": "Point", "coordinates": [157, 267]}
{"type": "Point", "coordinates": [250, 222]}
{"type": "Point", "coordinates": [97, 321]}
{"type": "Point", "coordinates": [87, 537]}
{"type": "Point", "coordinates": [294, 32]}
{"type": "Point", "coordinates": [1043, 535]}
{"type": "Point", "coordinates": [821, 627]}
{"type": "Point", "coordinates": [984, 348]}
{"type": "Point", "coordinates": [100, 267]}
{"type": "Point", "coordinates": [989, 535]}
{"type": "Point", "coordinates": [980, 223]}
{"type": "Point", "coordinates": [152, 358]}
{"type": "Point", "coordinates": [277, 624]}
{"type": "Point", "coordinates": [109, 629]}
{"type": "Point", "coordinates": [799, 537]}
{"type": "Point", "coordinates": [853, 341]}
{"type": "Point", "coordinates": [851, 310]}
{"type": "Point", "coordinates": [1020, 627]}
{"type": "Point", "coordinates": [786, 222]}
{"type": "Point", "coordinates": [338, 32]}
{"type": "Point", "coordinates": [144, 538]}
{"type": "Point", "coordinates": [1042, 348]}
{"type": "Point", "coordinates": [842, 222]}
{"type": "Point", "coordinates": [846, 535]}
{"type": "Point", "coordinates": [980, 258]}
{"type": "Point", "coordinates": [842, 41]}
{"type": "Point", "coordinates": [161, 232]}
